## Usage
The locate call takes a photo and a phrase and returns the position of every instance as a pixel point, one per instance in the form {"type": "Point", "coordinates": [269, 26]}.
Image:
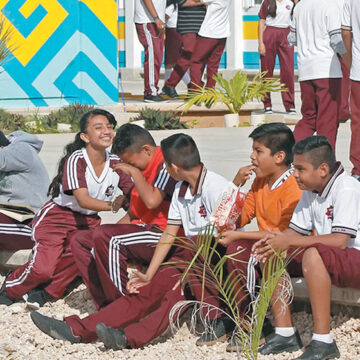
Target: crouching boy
{"type": "Point", "coordinates": [330, 206]}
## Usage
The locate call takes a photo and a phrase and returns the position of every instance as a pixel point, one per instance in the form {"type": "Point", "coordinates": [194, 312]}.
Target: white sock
{"type": "Point", "coordinates": [167, 74]}
{"type": "Point", "coordinates": [285, 331]}
{"type": "Point", "coordinates": [186, 78]}
{"type": "Point", "coordinates": [325, 338]}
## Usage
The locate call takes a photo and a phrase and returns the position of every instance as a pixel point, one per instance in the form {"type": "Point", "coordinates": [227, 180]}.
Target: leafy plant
{"type": "Point", "coordinates": [6, 49]}
{"type": "Point", "coordinates": [234, 93]}
{"type": "Point", "coordinates": [160, 120]}
{"type": "Point", "coordinates": [248, 327]}
{"type": "Point", "coordinates": [11, 122]}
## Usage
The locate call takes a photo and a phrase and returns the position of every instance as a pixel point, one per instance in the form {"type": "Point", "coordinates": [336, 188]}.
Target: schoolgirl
{"type": "Point", "coordinates": [274, 27]}
{"type": "Point", "coordinates": [84, 185]}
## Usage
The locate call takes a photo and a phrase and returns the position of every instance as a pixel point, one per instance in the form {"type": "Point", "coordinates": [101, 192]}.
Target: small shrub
{"type": "Point", "coordinates": [160, 120]}
{"type": "Point", "coordinates": [11, 122]}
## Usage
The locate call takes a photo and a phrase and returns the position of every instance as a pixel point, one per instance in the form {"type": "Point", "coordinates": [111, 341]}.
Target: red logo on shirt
{"type": "Point", "coordinates": [288, 7]}
{"type": "Point", "coordinates": [202, 211]}
{"type": "Point", "coordinates": [110, 190]}
{"type": "Point", "coordinates": [330, 212]}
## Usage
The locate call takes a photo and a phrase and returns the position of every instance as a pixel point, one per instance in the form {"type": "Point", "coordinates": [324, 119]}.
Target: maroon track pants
{"type": "Point", "coordinates": [102, 256]}
{"type": "Point", "coordinates": [153, 43]}
{"type": "Point", "coordinates": [183, 63]}
{"type": "Point", "coordinates": [15, 235]}
{"type": "Point", "coordinates": [52, 264]}
{"type": "Point", "coordinates": [276, 43]}
{"type": "Point", "coordinates": [208, 53]}
{"type": "Point", "coordinates": [355, 126]}
{"type": "Point", "coordinates": [320, 101]}
{"type": "Point", "coordinates": [344, 107]}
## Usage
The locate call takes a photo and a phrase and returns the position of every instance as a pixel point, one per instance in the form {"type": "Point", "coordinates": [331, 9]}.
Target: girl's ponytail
{"type": "Point", "coordinates": [272, 8]}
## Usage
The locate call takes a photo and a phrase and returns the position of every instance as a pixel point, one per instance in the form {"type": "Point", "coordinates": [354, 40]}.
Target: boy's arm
{"type": "Point", "coordinates": [161, 251]}
{"type": "Point", "coordinates": [230, 236]}
{"type": "Point", "coordinates": [151, 9]}
{"type": "Point", "coordinates": [346, 30]}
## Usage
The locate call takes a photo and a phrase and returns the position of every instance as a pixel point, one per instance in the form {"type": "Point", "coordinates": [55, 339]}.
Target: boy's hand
{"type": "Point", "coordinates": [243, 175]}
{"type": "Point", "coordinates": [137, 282]}
{"type": "Point", "coordinates": [125, 168]}
{"type": "Point", "coordinates": [118, 203]}
{"type": "Point", "coordinates": [227, 237]}
{"type": "Point", "coordinates": [262, 49]}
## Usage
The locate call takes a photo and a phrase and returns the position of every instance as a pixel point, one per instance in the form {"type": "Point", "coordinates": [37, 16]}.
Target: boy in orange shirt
{"type": "Point", "coordinates": [272, 199]}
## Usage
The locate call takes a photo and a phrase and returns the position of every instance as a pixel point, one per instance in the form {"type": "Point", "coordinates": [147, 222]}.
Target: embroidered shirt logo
{"type": "Point", "coordinates": [330, 212]}
{"type": "Point", "coordinates": [109, 191]}
{"type": "Point", "coordinates": [288, 7]}
{"type": "Point", "coordinates": [202, 211]}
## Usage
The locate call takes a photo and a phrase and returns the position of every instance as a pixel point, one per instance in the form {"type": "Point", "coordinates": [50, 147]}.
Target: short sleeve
{"type": "Point", "coordinates": [263, 12]}
{"type": "Point", "coordinates": [346, 16]}
{"type": "Point", "coordinates": [345, 221]}
{"type": "Point", "coordinates": [174, 215]}
{"type": "Point", "coordinates": [333, 19]}
{"type": "Point", "coordinates": [164, 181]}
{"type": "Point", "coordinates": [301, 220]}
{"type": "Point", "coordinates": [74, 173]}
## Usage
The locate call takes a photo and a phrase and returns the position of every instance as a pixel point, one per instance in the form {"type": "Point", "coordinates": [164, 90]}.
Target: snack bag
{"type": "Point", "coordinates": [228, 208]}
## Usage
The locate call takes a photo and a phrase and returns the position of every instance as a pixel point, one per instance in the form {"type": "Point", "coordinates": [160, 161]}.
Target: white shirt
{"type": "Point", "coordinates": [283, 14]}
{"type": "Point", "coordinates": [193, 211]}
{"type": "Point", "coordinates": [216, 24]}
{"type": "Point", "coordinates": [79, 173]}
{"type": "Point", "coordinates": [335, 210]}
{"type": "Point", "coordinates": [314, 22]}
{"type": "Point", "coordinates": [351, 21]}
{"type": "Point", "coordinates": [171, 12]}
{"type": "Point", "coordinates": [142, 15]}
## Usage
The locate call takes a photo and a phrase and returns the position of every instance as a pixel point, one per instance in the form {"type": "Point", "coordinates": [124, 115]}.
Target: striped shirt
{"type": "Point", "coordinates": [189, 19]}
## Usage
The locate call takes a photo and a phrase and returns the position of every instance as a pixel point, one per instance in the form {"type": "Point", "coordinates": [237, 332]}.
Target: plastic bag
{"type": "Point", "coordinates": [228, 208]}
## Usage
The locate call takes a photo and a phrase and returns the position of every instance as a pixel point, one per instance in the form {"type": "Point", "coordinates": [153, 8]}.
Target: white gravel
{"type": "Point", "coordinates": [20, 339]}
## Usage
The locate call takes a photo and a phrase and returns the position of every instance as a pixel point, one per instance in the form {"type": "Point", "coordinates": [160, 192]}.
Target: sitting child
{"type": "Point", "coordinates": [330, 206]}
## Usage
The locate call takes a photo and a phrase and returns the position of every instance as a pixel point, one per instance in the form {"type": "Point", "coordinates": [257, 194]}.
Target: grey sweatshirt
{"type": "Point", "coordinates": [23, 177]}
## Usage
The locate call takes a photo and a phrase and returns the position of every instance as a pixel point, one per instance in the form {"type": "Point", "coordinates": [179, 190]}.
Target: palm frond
{"type": "Point", "coordinates": [6, 46]}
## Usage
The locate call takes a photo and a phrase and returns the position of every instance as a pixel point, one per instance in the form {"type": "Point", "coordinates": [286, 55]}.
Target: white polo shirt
{"type": "Point", "coordinates": [351, 21]}
{"type": "Point", "coordinates": [216, 24]}
{"type": "Point", "coordinates": [193, 211]}
{"type": "Point", "coordinates": [283, 13]}
{"type": "Point", "coordinates": [314, 22]}
{"type": "Point", "coordinates": [335, 210]}
{"type": "Point", "coordinates": [142, 15]}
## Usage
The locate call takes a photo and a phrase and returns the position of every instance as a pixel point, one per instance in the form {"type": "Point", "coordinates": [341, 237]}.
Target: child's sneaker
{"type": "Point", "coordinates": [291, 111]}
{"type": "Point", "coordinates": [4, 298]}
{"type": "Point", "coordinates": [318, 350]}
{"type": "Point", "coordinates": [112, 338]}
{"type": "Point", "coordinates": [276, 344]}
{"type": "Point", "coordinates": [268, 110]}
{"type": "Point", "coordinates": [35, 299]}
{"type": "Point", "coordinates": [220, 330]}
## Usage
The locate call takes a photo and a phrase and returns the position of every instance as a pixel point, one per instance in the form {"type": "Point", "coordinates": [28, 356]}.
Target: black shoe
{"type": "Point", "coordinates": [170, 92]}
{"type": "Point", "coordinates": [291, 111]}
{"type": "Point", "coordinates": [235, 342]}
{"type": "Point", "coordinates": [318, 350]}
{"type": "Point", "coordinates": [221, 328]}
{"type": "Point", "coordinates": [268, 110]}
{"type": "Point", "coordinates": [4, 298]}
{"type": "Point", "coordinates": [112, 338]}
{"type": "Point", "coordinates": [55, 328]}
{"type": "Point", "coordinates": [276, 344]}
{"type": "Point", "coordinates": [35, 299]}
{"type": "Point", "coordinates": [153, 98]}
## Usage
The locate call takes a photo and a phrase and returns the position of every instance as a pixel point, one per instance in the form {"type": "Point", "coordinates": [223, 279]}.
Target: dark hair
{"type": "Point", "coordinates": [318, 150]}
{"type": "Point", "coordinates": [131, 137]}
{"type": "Point", "coordinates": [3, 139]}
{"type": "Point", "coordinates": [77, 144]}
{"type": "Point", "coordinates": [276, 137]}
{"type": "Point", "coordinates": [272, 8]}
{"type": "Point", "coordinates": [181, 150]}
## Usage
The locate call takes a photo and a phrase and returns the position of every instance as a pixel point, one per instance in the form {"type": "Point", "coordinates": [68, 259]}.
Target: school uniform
{"type": "Point", "coordinates": [102, 255]}
{"type": "Point", "coordinates": [316, 30]}
{"type": "Point", "coordinates": [336, 209]}
{"type": "Point", "coordinates": [273, 208]}
{"type": "Point", "coordinates": [210, 43]}
{"type": "Point", "coordinates": [172, 37]}
{"type": "Point", "coordinates": [146, 315]}
{"type": "Point", "coordinates": [52, 262]}
{"type": "Point", "coordinates": [189, 21]}
{"type": "Point", "coordinates": [351, 21]}
{"type": "Point", "coordinates": [153, 42]}
{"type": "Point", "coordinates": [275, 40]}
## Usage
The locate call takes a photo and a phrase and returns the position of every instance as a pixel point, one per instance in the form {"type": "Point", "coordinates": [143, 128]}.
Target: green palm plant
{"type": "Point", "coordinates": [248, 327]}
{"type": "Point", "coordinates": [234, 93]}
{"type": "Point", "coordinates": [6, 49]}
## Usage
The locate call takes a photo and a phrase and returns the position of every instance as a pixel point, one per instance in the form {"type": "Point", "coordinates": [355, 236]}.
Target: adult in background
{"type": "Point", "coordinates": [274, 27]}
{"type": "Point", "coordinates": [149, 20]}
{"type": "Point", "coordinates": [316, 30]}
{"type": "Point", "coordinates": [23, 180]}
{"type": "Point", "coordinates": [351, 35]}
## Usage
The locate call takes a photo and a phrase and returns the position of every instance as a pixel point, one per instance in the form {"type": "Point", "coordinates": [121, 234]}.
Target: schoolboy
{"type": "Point", "coordinates": [329, 206]}
{"type": "Point", "coordinates": [351, 35]}
{"type": "Point", "coordinates": [316, 31]}
{"type": "Point", "coordinates": [272, 199]}
{"type": "Point", "coordinates": [156, 291]}
{"type": "Point", "coordinates": [102, 254]}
